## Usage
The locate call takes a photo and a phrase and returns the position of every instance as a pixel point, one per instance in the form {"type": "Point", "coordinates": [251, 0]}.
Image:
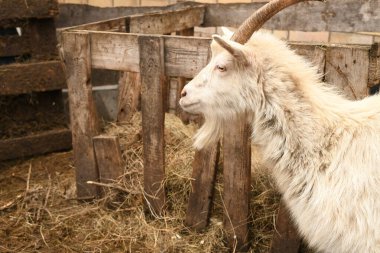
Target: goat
{"type": "Point", "coordinates": [324, 150]}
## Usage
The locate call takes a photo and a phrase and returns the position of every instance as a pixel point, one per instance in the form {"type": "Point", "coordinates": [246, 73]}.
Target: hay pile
{"type": "Point", "coordinates": [39, 212]}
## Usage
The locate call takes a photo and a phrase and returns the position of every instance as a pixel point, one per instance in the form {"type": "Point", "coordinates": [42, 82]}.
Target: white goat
{"type": "Point", "coordinates": [324, 150]}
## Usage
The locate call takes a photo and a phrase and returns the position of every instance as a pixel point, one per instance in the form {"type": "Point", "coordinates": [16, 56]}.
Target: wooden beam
{"type": "Point", "coordinates": [82, 110]}
{"type": "Point", "coordinates": [108, 157]}
{"type": "Point", "coordinates": [166, 21]}
{"type": "Point", "coordinates": [35, 144]}
{"type": "Point", "coordinates": [337, 15]}
{"type": "Point", "coordinates": [374, 66]}
{"type": "Point", "coordinates": [347, 68]}
{"type": "Point", "coordinates": [153, 117]}
{"type": "Point", "coordinates": [13, 45]}
{"type": "Point", "coordinates": [285, 237]}
{"type": "Point", "coordinates": [22, 9]}
{"type": "Point", "coordinates": [200, 200]}
{"type": "Point", "coordinates": [129, 100]}
{"type": "Point", "coordinates": [28, 77]}
{"type": "Point", "coordinates": [237, 182]}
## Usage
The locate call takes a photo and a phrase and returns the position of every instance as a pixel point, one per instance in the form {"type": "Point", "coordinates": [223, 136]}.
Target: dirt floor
{"type": "Point", "coordinates": [39, 211]}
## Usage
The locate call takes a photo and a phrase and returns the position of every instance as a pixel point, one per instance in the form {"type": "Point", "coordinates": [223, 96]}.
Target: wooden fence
{"type": "Point", "coordinates": [150, 60]}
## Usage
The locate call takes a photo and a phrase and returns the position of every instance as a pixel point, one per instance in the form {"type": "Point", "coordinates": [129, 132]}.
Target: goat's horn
{"type": "Point", "coordinates": [257, 19]}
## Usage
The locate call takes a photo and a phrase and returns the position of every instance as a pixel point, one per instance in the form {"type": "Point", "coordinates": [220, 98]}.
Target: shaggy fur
{"type": "Point", "coordinates": [324, 150]}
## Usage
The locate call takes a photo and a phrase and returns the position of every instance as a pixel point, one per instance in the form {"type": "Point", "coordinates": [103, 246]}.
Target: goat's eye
{"type": "Point", "coordinates": [221, 68]}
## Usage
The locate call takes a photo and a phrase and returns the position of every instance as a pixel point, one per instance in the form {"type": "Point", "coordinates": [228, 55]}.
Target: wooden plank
{"type": "Point", "coordinates": [13, 45]}
{"type": "Point", "coordinates": [129, 100]}
{"type": "Point", "coordinates": [108, 157]}
{"type": "Point", "coordinates": [41, 35]}
{"type": "Point", "coordinates": [237, 181]}
{"type": "Point", "coordinates": [335, 15]}
{"type": "Point", "coordinates": [28, 77]}
{"type": "Point", "coordinates": [117, 51]}
{"type": "Point", "coordinates": [166, 21]}
{"type": "Point", "coordinates": [285, 237]}
{"type": "Point", "coordinates": [37, 144]}
{"type": "Point", "coordinates": [18, 9]}
{"type": "Point", "coordinates": [374, 66]}
{"type": "Point", "coordinates": [316, 54]}
{"type": "Point", "coordinates": [200, 200]}
{"type": "Point", "coordinates": [83, 116]}
{"type": "Point", "coordinates": [153, 117]}
{"type": "Point", "coordinates": [347, 68]}
{"type": "Point", "coordinates": [183, 56]}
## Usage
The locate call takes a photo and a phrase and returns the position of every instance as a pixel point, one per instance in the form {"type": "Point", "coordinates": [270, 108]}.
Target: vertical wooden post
{"type": "Point", "coordinates": [285, 238]}
{"type": "Point", "coordinates": [200, 200]}
{"type": "Point", "coordinates": [129, 95]}
{"type": "Point", "coordinates": [237, 180]}
{"type": "Point", "coordinates": [108, 158]}
{"type": "Point", "coordinates": [153, 117]}
{"type": "Point", "coordinates": [84, 124]}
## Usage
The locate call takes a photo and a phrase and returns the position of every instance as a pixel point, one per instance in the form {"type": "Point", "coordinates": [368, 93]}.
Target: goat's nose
{"type": "Point", "coordinates": [183, 93]}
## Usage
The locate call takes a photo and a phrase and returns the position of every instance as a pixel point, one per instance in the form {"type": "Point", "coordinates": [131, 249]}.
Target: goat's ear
{"type": "Point", "coordinates": [227, 33]}
{"type": "Point", "coordinates": [232, 49]}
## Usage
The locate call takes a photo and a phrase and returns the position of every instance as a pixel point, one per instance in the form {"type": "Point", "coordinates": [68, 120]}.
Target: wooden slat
{"type": "Point", "coordinates": [117, 51]}
{"type": "Point", "coordinates": [285, 237]}
{"type": "Point", "coordinates": [200, 200]}
{"type": "Point", "coordinates": [13, 45]}
{"type": "Point", "coordinates": [337, 15]}
{"type": "Point", "coordinates": [18, 9]}
{"type": "Point", "coordinates": [183, 56]}
{"type": "Point", "coordinates": [237, 181]}
{"type": "Point", "coordinates": [316, 54]}
{"type": "Point", "coordinates": [82, 110]}
{"type": "Point", "coordinates": [108, 157]}
{"type": "Point", "coordinates": [153, 117]}
{"type": "Point", "coordinates": [347, 68]}
{"type": "Point", "coordinates": [129, 99]}
{"type": "Point", "coordinates": [166, 21]}
{"type": "Point", "coordinates": [36, 144]}
{"type": "Point", "coordinates": [374, 66]}
{"type": "Point", "coordinates": [28, 77]}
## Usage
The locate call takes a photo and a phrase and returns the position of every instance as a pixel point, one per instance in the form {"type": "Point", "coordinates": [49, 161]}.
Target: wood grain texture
{"type": "Point", "coordinates": [28, 77]}
{"type": "Point", "coordinates": [334, 15]}
{"type": "Point", "coordinates": [237, 181]}
{"type": "Point", "coordinates": [166, 21]}
{"type": "Point", "coordinates": [374, 66]}
{"type": "Point", "coordinates": [18, 9]}
{"type": "Point", "coordinates": [82, 110]}
{"type": "Point", "coordinates": [129, 100]}
{"type": "Point", "coordinates": [108, 157]}
{"type": "Point", "coordinates": [36, 144]}
{"type": "Point", "coordinates": [200, 200]}
{"type": "Point", "coordinates": [153, 116]}
{"type": "Point", "coordinates": [347, 68]}
{"type": "Point", "coordinates": [316, 54]}
{"type": "Point", "coordinates": [285, 237]}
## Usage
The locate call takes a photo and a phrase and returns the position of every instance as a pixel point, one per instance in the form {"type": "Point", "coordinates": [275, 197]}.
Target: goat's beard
{"type": "Point", "coordinates": [209, 133]}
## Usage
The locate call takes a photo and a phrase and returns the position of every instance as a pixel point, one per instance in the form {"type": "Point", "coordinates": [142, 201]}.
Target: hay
{"type": "Point", "coordinates": [39, 212]}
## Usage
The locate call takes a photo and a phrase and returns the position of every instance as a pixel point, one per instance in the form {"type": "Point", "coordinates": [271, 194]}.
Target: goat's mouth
{"type": "Point", "coordinates": [191, 106]}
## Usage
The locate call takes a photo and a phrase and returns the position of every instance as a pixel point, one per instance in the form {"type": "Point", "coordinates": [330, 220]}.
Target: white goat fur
{"type": "Point", "coordinates": [324, 150]}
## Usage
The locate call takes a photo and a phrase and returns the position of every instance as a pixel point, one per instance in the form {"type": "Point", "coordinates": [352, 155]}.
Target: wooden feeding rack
{"type": "Point", "coordinates": [32, 119]}
{"type": "Point", "coordinates": [137, 46]}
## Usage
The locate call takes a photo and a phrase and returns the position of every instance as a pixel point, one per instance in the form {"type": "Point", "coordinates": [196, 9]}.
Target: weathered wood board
{"type": "Point", "coordinates": [237, 183]}
{"type": "Point", "coordinates": [37, 144]}
{"type": "Point", "coordinates": [347, 68]}
{"type": "Point", "coordinates": [153, 118]}
{"type": "Point", "coordinates": [83, 116]}
{"type": "Point", "coordinates": [21, 9]}
{"type": "Point", "coordinates": [374, 66]}
{"type": "Point", "coordinates": [166, 21]}
{"type": "Point", "coordinates": [28, 77]}
{"type": "Point", "coordinates": [109, 160]}
{"type": "Point", "coordinates": [286, 238]}
{"type": "Point", "coordinates": [129, 100]}
{"type": "Point", "coordinates": [200, 200]}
